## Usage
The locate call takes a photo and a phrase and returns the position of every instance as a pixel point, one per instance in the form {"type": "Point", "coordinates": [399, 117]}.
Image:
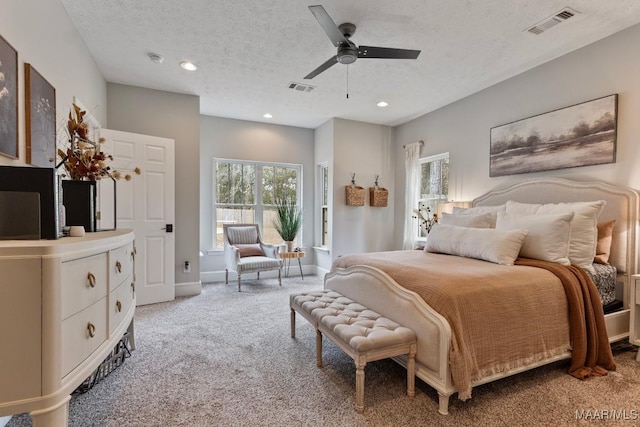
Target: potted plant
{"type": "Point", "coordinates": [288, 221]}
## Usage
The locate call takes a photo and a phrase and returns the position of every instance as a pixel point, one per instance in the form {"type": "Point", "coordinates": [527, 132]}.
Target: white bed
{"type": "Point", "coordinates": [378, 291]}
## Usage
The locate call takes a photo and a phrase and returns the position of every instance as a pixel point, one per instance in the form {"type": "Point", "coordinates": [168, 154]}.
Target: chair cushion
{"type": "Point", "coordinates": [242, 235]}
{"type": "Point", "coordinates": [250, 250]}
{"type": "Point", "coordinates": [258, 263]}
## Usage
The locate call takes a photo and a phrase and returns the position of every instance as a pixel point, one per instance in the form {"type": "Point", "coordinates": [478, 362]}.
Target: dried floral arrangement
{"type": "Point", "coordinates": [83, 159]}
{"type": "Point", "coordinates": [426, 218]}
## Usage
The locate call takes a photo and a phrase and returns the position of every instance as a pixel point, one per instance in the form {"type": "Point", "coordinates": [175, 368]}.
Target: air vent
{"type": "Point", "coordinates": [301, 87]}
{"type": "Point", "coordinates": [552, 21]}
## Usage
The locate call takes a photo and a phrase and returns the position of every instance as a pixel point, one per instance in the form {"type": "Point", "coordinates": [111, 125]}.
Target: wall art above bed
{"type": "Point", "coordinates": [579, 135]}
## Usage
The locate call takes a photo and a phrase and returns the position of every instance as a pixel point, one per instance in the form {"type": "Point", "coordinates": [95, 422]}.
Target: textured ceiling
{"type": "Point", "coordinates": [249, 51]}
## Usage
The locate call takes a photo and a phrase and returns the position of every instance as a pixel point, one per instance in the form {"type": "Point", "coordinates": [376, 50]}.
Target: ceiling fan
{"type": "Point", "coordinates": [348, 51]}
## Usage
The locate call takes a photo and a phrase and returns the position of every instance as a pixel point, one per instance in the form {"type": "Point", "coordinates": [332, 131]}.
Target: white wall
{"type": "Point", "coordinates": [608, 66]}
{"type": "Point", "coordinates": [363, 149]}
{"type": "Point", "coordinates": [44, 36]}
{"type": "Point", "coordinates": [263, 142]}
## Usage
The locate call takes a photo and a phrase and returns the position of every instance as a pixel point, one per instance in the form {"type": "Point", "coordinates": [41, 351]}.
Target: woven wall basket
{"type": "Point", "coordinates": [355, 195]}
{"type": "Point", "coordinates": [378, 197]}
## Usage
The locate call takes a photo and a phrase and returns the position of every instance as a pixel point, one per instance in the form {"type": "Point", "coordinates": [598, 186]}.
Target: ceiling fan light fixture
{"type": "Point", "coordinates": [267, 115]}
{"type": "Point", "coordinates": [347, 54]}
{"type": "Point", "coordinates": [382, 104]}
{"type": "Point", "coordinates": [189, 66]}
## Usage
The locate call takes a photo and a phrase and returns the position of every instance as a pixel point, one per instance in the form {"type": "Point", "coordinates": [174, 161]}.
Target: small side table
{"type": "Point", "coordinates": [287, 257]}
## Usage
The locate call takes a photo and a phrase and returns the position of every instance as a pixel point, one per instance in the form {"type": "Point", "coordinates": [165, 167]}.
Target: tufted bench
{"type": "Point", "coordinates": [363, 334]}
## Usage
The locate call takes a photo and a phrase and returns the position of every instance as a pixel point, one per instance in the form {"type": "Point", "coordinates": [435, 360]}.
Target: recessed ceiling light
{"type": "Point", "coordinates": [382, 104]}
{"type": "Point", "coordinates": [267, 115]}
{"type": "Point", "coordinates": [189, 66]}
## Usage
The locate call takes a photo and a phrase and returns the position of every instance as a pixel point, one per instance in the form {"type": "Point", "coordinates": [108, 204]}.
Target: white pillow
{"type": "Point", "coordinates": [474, 221]}
{"type": "Point", "coordinates": [493, 210]}
{"type": "Point", "coordinates": [479, 209]}
{"type": "Point", "coordinates": [488, 244]}
{"type": "Point", "coordinates": [548, 237]}
{"type": "Point", "coordinates": [584, 226]}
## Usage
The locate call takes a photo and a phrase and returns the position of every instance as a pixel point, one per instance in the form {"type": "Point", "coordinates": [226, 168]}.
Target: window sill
{"type": "Point", "coordinates": [321, 249]}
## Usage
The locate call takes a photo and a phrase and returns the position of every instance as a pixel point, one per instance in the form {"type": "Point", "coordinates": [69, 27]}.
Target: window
{"type": "Point", "coordinates": [434, 183]}
{"type": "Point", "coordinates": [323, 178]}
{"type": "Point", "coordinates": [245, 192]}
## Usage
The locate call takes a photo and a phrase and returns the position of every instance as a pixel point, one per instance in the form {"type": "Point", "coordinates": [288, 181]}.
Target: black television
{"type": "Point", "coordinates": [43, 181]}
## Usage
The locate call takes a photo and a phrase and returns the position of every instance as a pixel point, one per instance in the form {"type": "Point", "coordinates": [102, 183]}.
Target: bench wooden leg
{"type": "Point", "coordinates": [411, 372]}
{"type": "Point", "coordinates": [293, 323]}
{"type": "Point", "coordinates": [318, 348]}
{"type": "Point", "coordinates": [361, 362]}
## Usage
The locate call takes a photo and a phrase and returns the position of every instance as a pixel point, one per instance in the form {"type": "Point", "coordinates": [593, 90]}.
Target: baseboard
{"type": "Point", "coordinates": [188, 289]}
{"type": "Point", "coordinates": [218, 276]}
{"type": "Point", "coordinates": [321, 271]}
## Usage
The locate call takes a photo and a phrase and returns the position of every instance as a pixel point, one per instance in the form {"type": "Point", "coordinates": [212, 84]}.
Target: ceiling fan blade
{"type": "Point", "coordinates": [329, 27]}
{"type": "Point", "coordinates": [323, 67]}
{"type": "Point", "coordinates": [386, 53]}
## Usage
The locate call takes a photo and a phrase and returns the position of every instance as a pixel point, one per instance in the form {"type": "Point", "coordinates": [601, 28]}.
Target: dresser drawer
{"type": "Point", "coordinates": [120, 301]}
{"type": "Point", "coordinates": [84, 281]}
{"type": "Point", "coordinates": [120, 265]}
{"type": "Point", "coordinates": [82, 334]}
{"type": "Point", "coordinates": [637, 285]}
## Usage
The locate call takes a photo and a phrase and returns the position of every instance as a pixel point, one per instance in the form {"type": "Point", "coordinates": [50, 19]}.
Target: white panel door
{"type": "Point", "coordinates": [146, 205]}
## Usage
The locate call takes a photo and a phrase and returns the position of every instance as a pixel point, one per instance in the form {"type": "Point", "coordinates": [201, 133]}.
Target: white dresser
{"type": "Point", "coordinates": [64, 305]}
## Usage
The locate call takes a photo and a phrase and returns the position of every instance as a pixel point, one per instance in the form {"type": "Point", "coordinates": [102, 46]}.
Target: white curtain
{"type": "Point", "coordinates": [412, 191]}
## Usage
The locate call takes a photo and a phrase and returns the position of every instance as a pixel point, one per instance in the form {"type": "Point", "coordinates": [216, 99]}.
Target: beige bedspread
{"type": "Point", "coordinates": [501, 317]}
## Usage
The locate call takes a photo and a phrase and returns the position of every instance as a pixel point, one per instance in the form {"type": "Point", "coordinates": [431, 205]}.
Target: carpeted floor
{"type": "Point", "coordinates": [225, 358]}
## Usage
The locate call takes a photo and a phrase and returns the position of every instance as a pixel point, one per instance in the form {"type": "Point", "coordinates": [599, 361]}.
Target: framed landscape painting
{"type": "Point", "coordinates": [579, 135]}
{"type": "Point", "coordinates": [8, 100]}
{"type": "Point", "coordinates": [40, 106]}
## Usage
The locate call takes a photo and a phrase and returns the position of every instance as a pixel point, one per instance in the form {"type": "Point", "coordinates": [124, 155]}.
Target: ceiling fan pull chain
{"type": "Point", "coordinates": [347, 82]}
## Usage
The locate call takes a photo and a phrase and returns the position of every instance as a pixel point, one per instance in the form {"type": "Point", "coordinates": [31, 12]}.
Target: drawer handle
{"type": "Point", "coordinates": [133, 287]}
{"type": "Point", "coordinates": [92, 329]}
{"type": "Point", "coordinates": [92, 280]}
{"type": "Point", "coordinates": [119, 306]}
{"type": "Point", "coordinates": [118, 266]}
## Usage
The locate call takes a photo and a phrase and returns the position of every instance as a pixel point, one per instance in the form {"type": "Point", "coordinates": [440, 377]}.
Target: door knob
{"type": "Point", "coordinates": [168, 228]}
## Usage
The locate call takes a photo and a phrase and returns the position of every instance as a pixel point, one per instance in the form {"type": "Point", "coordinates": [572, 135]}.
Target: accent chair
{"type": "Point", "coordinates": [245, 252]}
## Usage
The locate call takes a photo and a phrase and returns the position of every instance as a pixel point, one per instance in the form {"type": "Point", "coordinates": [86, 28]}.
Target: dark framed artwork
{"type": "Point", "coordinates": [40, 118]}
{"type": "Point", "coordinates": [580, 135]}
{"type": "Point", "coordinates": [8, 100]}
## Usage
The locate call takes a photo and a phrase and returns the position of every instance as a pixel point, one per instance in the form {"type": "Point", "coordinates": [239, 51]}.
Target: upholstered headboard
{"type": "Point", "coordinates": [622, 205]}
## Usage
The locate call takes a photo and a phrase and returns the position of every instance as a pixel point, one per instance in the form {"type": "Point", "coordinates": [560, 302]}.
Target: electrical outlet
{"type": "Point", "coordinates": [187, 267]}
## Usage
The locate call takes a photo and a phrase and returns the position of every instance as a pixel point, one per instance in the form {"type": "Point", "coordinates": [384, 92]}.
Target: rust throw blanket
{"type": "Point", "coordinates": [591, 353]}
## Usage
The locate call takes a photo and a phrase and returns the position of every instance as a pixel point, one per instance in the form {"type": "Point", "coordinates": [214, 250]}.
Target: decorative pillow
{"type": "Point", "coordinates": [460, 220]}
{"type": "Point", "coordinates": [488, 244]}
{"type": "Point", "coordinates": [493, 210]}
{"type": "Point", "coordinates": [584, 232]}
{"type": "Point", "coordinates": [603, 248]}
{"type": "Point", "coordinates": [250, 250]}
{"type": "Point", "coordinates": [547, 238]}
